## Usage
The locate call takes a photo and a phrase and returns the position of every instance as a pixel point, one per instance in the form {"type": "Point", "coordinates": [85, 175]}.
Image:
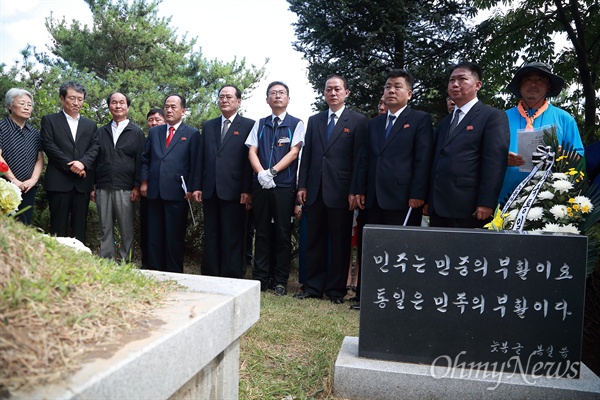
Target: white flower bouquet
{"type": "Point", "coordinates": [10, 194]}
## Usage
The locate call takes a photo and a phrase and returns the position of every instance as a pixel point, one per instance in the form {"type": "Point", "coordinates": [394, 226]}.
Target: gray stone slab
{"type": "Point", "coordinates": [364, 378]}
{"type": "Point", "coordinates": [191, 343]}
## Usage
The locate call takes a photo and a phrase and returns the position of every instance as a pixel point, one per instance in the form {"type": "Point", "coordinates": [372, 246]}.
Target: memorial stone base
{"type": "Point", "coordinates": [189, 350]}
{"type": "Point", "coordinates": [364, 378]}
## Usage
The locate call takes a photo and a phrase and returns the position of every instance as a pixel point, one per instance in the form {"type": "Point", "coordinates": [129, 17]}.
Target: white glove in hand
{"type": "Point", "coordinates": [263, 177]}
{"type": "Point", "coordinates": [270, 184]}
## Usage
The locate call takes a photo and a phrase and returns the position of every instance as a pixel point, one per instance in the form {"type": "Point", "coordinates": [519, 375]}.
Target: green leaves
{"type": "Point", "coordinates": [128, 48]}
{"type": "Point", "coordinates": [363, 40]}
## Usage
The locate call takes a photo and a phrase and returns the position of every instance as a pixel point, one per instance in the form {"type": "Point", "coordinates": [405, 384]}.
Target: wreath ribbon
{"type": "Point", "coordinates": [543, 159]}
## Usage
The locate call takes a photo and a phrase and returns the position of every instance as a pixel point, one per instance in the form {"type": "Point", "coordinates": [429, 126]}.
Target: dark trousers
{"type": "Point", "coordinates": [249, 237]}
{"type": "Point", "coordinates": [276, 204]}
{"type": "Point", "coordinates": [443, 222]}
{"type": "Point", "coordinates": [377, 215]}
{"type": "Point", "coordinates": [327, 225]}
{"type": "Point", "coordinates": [144, 230]}
{"type": "Point", "coordinates": [224, 234]}
{"type": "Point", "coordinates": [302, 263]}
{"type": "Point", "coordinates": [63, 204]}
{"type": "Point", "coordinates": [28, 200]}
{"type": "Point", "coordinates": [167, 223]}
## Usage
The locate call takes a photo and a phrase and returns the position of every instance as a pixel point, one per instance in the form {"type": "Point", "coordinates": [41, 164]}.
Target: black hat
{"type": "Point", "coordinates": [556, 82]}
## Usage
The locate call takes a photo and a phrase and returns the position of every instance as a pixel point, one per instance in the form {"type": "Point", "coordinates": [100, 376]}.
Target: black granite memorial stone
{"type": "Point", "coordinates": [477, 299]}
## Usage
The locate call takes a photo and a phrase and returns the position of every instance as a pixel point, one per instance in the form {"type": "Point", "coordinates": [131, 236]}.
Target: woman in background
{"type": "Point", "coordinates": [20, 149]}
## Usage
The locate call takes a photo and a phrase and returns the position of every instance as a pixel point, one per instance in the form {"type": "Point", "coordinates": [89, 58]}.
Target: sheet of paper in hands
{"type": "Point", "coordinates": [528, 142]}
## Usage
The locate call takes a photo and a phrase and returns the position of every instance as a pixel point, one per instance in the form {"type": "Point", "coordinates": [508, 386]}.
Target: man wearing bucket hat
{"type": "Point", "coordinates": [533, 83]}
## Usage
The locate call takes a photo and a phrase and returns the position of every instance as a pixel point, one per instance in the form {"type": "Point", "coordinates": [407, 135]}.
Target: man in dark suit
{"type": "Point", "coordinates": [326, 186]}
{"type": "Point", "coordinates": [396, 168]}
{"type": "Point", "coordinates": [154, 117]}
{"type": "Point", "coordinates": [470, 155]}
{"type": "Point", "coordinates": [70, 142]}
{"type": "Point", "coordinates": [399, 150]}
{"type": "Point", "coordinates": [171, 154]}
{"type": "Point", "coordinates": [226, 187]}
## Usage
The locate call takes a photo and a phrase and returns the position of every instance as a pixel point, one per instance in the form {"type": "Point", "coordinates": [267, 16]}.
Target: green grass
{"type": "Point", "coordinates": [291, 351]}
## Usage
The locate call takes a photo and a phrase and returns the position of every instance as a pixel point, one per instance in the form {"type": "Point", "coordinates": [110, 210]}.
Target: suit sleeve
{"type": "Point", "coordinates": [363, 164]}
{"type": "Point", "coordinates": [194, 162]}
{"type": "Point", "coordinates": [145, 171]}
{"type": "Point", "coordinates": [55, 155]}
{"type": "Point", "coordinates": [201, 159]}
{"type": "Point", "coordinates": [247, 171]}
{"type": "Point", "coordinates": [493, 158]}
{"type": "Point", "coordinates": [423, 155]}
{"type": "Point", "coordinates": [91, 152]}
{"type": "Point", "coordinates": [306, 154]}
{"type": "Point", "coordinates": [360, 136]}
{"type": "Point", "coordinates": [140, 144]}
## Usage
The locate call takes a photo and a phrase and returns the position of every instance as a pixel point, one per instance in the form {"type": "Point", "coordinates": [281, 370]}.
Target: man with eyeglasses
{"type": "Point", "coordinates": [274, 144]}
{"type": "Point", "coordinates": [70, 142]}
{"type": "Point", "coordinates": [225, 187]}
{"type": "Point", "coordinates": [327, 187]}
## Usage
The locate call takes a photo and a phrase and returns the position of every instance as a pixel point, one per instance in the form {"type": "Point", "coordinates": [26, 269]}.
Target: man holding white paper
{"type": "Point", "coordinates": [533, 84]}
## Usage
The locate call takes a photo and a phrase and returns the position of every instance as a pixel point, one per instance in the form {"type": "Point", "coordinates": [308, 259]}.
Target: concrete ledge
{"type": "Point", "coordinates": [191, 349]}
{"type": "Point", "coordinates": [364, 378]}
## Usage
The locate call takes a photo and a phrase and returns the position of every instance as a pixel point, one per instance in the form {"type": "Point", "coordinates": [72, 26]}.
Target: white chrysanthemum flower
{"type": "Point", "coordinates": [584, 203]}
{"type": "Point", "coordinates": [546, 195]}
{"type": "Point", "coordinates": [559, 211]}
{"type": "Point", "coordinates": [528, 188]}
{"type": "Point", "coordinates": [562, 186]}
{"type": "Point", "coordinates": [539, 174]}
{"type": "Point", "coordinates": [550, 227]}
{"type": "Point", "coordinates": [511, 215]}
{"type": "Point", "coordinates": [10, 197]}
{"type": "Point", "coordinates": [520, 200]}
{"type": "Point", "coordinates": [569, 228]}
{"type": "Point", "coordinates": [535, 213]}
{"type": "Point", "coordinates": [560, 176]}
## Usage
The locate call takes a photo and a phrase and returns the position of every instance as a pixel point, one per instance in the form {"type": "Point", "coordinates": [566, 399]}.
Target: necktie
{"type": "Point", "coordinates": [275, 124]}
{"type": "Point", "coordinates": [225, 128]}
{"type": "Point", "coordinates": [391, 119]}
{"type": "Point", "coordinates": [330, 126]}
{"type": "Point", "coordinates": [454, 122]}
{"type": "Point", "coordinates": [171, 132]}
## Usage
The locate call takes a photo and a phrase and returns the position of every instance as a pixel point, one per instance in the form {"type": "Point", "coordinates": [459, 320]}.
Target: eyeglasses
{"type": "Point", "coordinates": [23, 105]}
{"type": "Point", "coordinates": [228, 97]}
{"type": "Point", "coordinates": [274, 93]}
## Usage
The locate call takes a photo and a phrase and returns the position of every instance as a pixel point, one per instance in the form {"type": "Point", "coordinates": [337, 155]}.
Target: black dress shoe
{"type": "Point", "coordinates": [280, 290]}
{"type": "Point", "coordinates": [304, 295]}
{"type": "Point", "coordinates": [337, 300]}
{"type": "Point", "coordinates": [355, 307]}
